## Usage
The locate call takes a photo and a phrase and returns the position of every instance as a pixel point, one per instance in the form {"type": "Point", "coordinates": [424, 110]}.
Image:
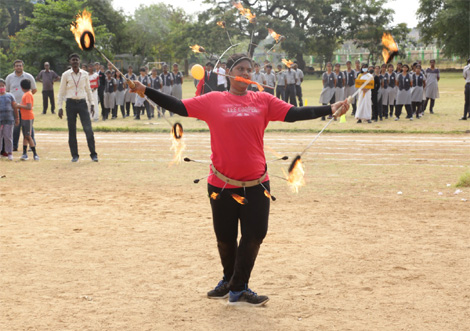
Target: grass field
{"type": "Point", "coordinates": [449, 108]}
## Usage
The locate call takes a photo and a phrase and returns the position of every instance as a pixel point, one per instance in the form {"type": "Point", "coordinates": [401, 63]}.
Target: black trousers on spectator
{"type": "Point", "coordinates": [298, 93]}
{"type": "Point", "coordinates": [409, 112]}
{"type": "Point", "coordinates": [128, 108]}
{"type": "Point", "coordinates": [416, 108]}
{"type": "Point", "coordinates": [80, 108]}
{"type": "Point", "coordinates": [16, 133]}
{"type": "Point", "coordinates": [431, 107]}
{"type": "Point", "coordinates": [101, 98]}
{"type": "Point", "coordinates": [290, 95]}
{"type": "Point", "coordinates": [238, 259]}
{"type": "Point", "coordinates": [46, 96]}
{"type": "Point", "coordinates": [466, 109]}
{"type": "Point", "coordinates": [281, 92]}
{"type": "Point", "coordinates": [269, 90]}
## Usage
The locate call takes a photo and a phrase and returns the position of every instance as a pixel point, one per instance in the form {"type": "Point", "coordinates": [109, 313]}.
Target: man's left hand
{"type": "Point", "coordinates": [92, 110]}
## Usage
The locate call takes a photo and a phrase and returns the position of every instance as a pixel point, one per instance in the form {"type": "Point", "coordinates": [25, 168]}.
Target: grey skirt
{"type": "Point", "coordinates": [417, 94]}
{"type": "Point", "coordinates": [326, 95]}
{"type": "Point", "coordinates": [403, 97]}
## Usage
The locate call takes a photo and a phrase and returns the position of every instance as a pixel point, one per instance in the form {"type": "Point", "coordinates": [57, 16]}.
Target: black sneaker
{"type": "Point", "coordinates": [246, 297]}
{"type": "Point", "coordinates": [94, 158]}
{"type": "Point", "coordinates": [220, 291]}
{"type": "Point", "coordinates": [75, 159]}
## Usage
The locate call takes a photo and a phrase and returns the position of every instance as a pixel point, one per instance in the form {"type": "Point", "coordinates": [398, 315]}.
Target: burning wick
{"type": "Point", "coordinates": [239, 199]}
{"type": "Point", "coordinates": [295, 178]}
{"type": "Point", "coordinates": [390, 49]}
{"type": "Point", "coordinates": [197, 49]}
{"type": "Point", "coordinates": [215, 196]}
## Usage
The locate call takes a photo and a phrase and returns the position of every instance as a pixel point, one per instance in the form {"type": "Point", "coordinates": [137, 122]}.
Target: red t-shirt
{"type": "Point", "coordinates": [237, 125]}
{"type": "Point", "coordinates": [27, 114]}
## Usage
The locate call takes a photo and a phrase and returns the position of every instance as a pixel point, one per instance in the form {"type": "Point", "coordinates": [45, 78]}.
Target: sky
{"type": "Point", "coordinates": [404, 9]}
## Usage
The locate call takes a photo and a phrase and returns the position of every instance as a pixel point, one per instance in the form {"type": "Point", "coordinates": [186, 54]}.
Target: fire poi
{"type": "Point", "coordinates": [84, 34]}
{"type": "Point", "coordinates": [390, 49]}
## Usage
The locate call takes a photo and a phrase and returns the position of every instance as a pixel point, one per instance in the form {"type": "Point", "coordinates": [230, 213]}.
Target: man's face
{"type": "Point", "coordinates": [74, 62]}
{"type": "Point", "coordinates": [90, 69]}
{"type": "Point", "coordinates": [97, 67]}
{"type": "Point", "coordinates": [46, 66]}
{"type": "Point", "coordinates": [110, 67]}
{"type": "Point", "coordinates": [257, 69]}
{"type": "Point", "coordinates": [268, 70]}
{"type": "Point", "coordinates": [19, 67]}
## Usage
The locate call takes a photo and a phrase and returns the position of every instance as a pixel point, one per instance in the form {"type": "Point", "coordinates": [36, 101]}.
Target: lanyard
{"type": "Point", "coordinates": [76, 82]}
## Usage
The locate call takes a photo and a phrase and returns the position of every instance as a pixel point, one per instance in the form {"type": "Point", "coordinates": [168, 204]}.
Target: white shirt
{"type": "Point", "coordinates": [221, 79]}
{"type": "Point", "coordinates": [270, 79]}
{"type": "Point", "coordinates": [13, 81]}
{"type": "Point", "coordinates": [300, 75]}
{"type": "Point", "coordinates": [466, 73]}
{"type": "Point", "coordinates": [257, 77]}
{"type": "Point", "coordinates": [75, 86]}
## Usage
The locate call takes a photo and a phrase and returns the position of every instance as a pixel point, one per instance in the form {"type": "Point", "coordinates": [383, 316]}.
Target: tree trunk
{"type": "Point", "coordinates": [300, 60]}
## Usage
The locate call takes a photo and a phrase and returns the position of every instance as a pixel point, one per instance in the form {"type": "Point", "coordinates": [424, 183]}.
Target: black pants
{"type": "Point", "coordinates": [409, 112]}
{"type": "Point", "coordinates": [128, 108]}
{"type": "Point", "coordinates": [80, 108]}
{"type": "Point", "coordinates": [298, 93]}
{"type": "Point", "coordinates": [16, 133]}
{"type": "Point", "coordinates": [466, 109]}
{"type": "Point", "coordinates": [391, 110]}
{"type": "Point", "coordinates": [46, 96]}
{"type": "Point", "coordinates": [238, 259]}
{"type": "Point", "coordinates": [431, 107]}
{"type": "Point", "coordinates": [269, 90]}
{"type": "Point", "coordinates": [332, 101]}
{"type": "Point", "coordinates": [221, 88]}
{"type": "Point", "coordinates": [417, 108]}
{"type": "Point", "coordinates": [290, 95]}
{"type": "Point", "coordinates": [101, 98]}
{"type": "Point", "coordinates": [281, 92]}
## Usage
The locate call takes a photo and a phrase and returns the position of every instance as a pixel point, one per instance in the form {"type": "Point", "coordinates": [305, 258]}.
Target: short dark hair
{"type": "Point", "coordinates": [108, 72]}
{"type": "Point", "coordinates": [209, 64]}
{"type": "Point", "coordinates": [237, 57]}
{"type": "Point", "coordinates": [269, 66]}
{"type": "Point", "coordinates": [407, 66]}
{"type": "Point", "coordinates": [142, 69]}
{"type": "Point", "coordinates": [18, 61]}
{"type": "Point", "coordinates": [73, 55]}
{"type": "Point", "coordinates": [25, 84]}
{"type": "Point", "coordinates": [130, 67]}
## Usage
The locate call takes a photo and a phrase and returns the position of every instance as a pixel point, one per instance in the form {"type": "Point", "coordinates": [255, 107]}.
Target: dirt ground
{"type": "Point", "coordinates": [127, 243]}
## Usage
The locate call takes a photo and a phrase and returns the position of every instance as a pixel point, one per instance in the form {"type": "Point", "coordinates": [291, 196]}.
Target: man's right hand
{"type": "Point", "coordinates": [61, 113]}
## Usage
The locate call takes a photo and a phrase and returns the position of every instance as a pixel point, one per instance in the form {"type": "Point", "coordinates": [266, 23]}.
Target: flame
{"type": "Point", "coordinates": [83, 23]}
{"type": "Point", "coordinates": [247, 81]}
{"type": "Point", "coordinates": [221, 24]}
{"type": "Point", "coordinates": [239, 199]}
{"type": "Point", "coordinates": [214, 196]}
{"type": "Point", "coordinates": [288, 63]}
{"type": "Point", "coordinates": [245, 12]}
{"type": "Point", "coordinates": [177, 145]}
{"type": "Point", "coordinates": [267, 194]}
{"type": "Point", "coordinates": [275, 35]}
{"type": "Point", "coordinates": [295, 178]}
{"type": "Point", "coordinates": [390, 46]}
{"type": "Point", "coordinates": [197, 49]}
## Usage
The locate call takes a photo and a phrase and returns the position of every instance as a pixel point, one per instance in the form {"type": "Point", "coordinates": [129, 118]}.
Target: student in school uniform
{"type": "Point", "coordinates": [298, 85]}
{"type": "Point", "coordinates": [258, 77]}
{"type": "Point", "coordinates": [466, 76]}
{"type": "Point", "coordinates": [329, 87]}
{"type": "Point", "coordinates": [210, 79]}
{"type": "Point", "coordinates": [432, 89]}
{"type": "Point", "coordinates": [349, 84]}
{"type": "Point", "coordinates": [109, 94]}
{"type": "Point", "coordinates": [120, 95]}
{"type": "Point", "coordinates": [155, 83]}
{"type": "Point", "coordinates": [281, 83]}
{"type": "Point", "coordinates": [382, 110]}
{"type": "Point", "coordinates": [177, 89]}
{"type": "Point", "coordinates": [129, 98]}
{"type": "Point", "coordinates": [167, 82]}
{"type": "Point", "coordinates": [340, 82]}
{"type": "Point", "coordinates": [376, 97]}
{"type": "Point", "coordinates": [404, 93]}
{"type": "Point", "coordinates": [221, 79]}
{"type": "Point", "coordinates": [390, 91]}
{"type": "Point", "coordinates": [291, 81]}
{"type": "Point", "coordinates": [270, 79]}
{"type": "Point", "coordinates": [101, 84]}
{"type": "Point", "coordinates": [94, 84]}
{"type": "Point", "coordinates": [140, 102]}
{"type": "Point", "coordinates": [419, 82]}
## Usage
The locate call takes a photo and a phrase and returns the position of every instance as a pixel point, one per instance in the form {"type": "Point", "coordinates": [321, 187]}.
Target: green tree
{"type": "Point", "coordinates": [48, 36]}
{"type": "Point", "coordinates": [446, 23]}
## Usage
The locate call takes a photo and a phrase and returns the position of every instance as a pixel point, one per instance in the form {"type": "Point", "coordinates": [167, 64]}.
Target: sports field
{"type": "Point", "coordinates": [378, 239]}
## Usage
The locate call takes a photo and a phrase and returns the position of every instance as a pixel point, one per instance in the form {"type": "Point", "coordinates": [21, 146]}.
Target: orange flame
{"type": "Point", "coordinates": [221, 24]}
{"type": "Point", "coordinates": [239, 199]}
{"type": "Point", "coordinates": [249, 82]}
{"type": "Point", "coordinates": [83, 23]}
{"type": "Point", "coordinates": [177, 145]}
{"type": "Point", "coordinates": [197, 49]}
{"type": "Point", "coordinates": [275, 35]}
{"type": "Point", "coordinates": [267, 194]}
{"type": "Point", "coordinates": [295, 178]}
{"type": "Point", "coordinates": [390, 46]}
{"type": "Point", "coordinates": [214, 196]}
{"type": "Point", "coordinates": [288, 63]}
{"type": "Point", "coordinates": [245, 12]}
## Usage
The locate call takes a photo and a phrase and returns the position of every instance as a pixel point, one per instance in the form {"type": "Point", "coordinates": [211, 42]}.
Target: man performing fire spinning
{"type": "Point", "coordinates": [238, 183]}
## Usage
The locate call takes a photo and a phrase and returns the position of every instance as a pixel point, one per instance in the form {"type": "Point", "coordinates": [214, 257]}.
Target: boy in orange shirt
{"type": "Point", "coordinates": [27, 119]}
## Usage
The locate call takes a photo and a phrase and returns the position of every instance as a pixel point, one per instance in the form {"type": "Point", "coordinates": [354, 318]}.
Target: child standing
{"type": "Point", "coordinates": [109, 95]}
{"type": "Point", "coordinates": [404, 93]}
{"type": "Point", "coordinates": [8, 117]}
{"type": "Point", "coordinates": [329, 87]}
{"type": "Point", "coordinates": [419, 82]}
{"type": "Point", "coordinates": [27, 119]}
{"type": "Point", "coordinates": [389, 89]}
